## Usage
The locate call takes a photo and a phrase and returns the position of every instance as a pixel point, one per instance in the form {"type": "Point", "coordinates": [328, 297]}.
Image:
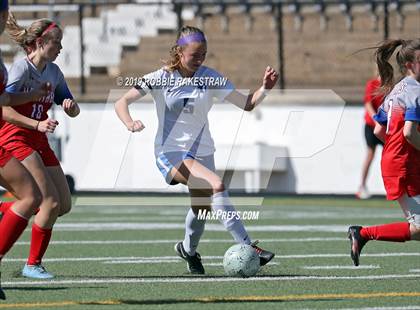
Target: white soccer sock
{"type": "Point", "coordinates": [221, 203]}
{"type": "Point", "coordinates": [194, 229]}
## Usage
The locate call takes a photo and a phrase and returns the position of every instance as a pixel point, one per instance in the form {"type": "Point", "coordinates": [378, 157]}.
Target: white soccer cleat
{"type": "Point", "coordinates": [363, 193]}
{"type": "Point", "coordinates": [36, 272]}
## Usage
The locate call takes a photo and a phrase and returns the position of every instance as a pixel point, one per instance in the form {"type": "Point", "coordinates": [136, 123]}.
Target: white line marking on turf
{"type": "Point", "coordinates": [144, 261]}
{"type": "Point", "coordinates": [94, 226]}
{"type": "Point", "coordinates": [132, 218]}
{"type": "Point", "coordinates": [221, 264]}
{"type": "Point", "coordinates": [266, 213]}
{"type": "Point", "coordinates": [414, 270]}
{"type": "Point", "coordinates": [340, 267]}
{"type": "Point", "coordinates": [85, 259]}
{"type": "Point", "coordinates": [380, 308]}
{"type": "Point", "coordinates": [149, 261]}
{"type": "Point", "coordinates": [101, 242]}
{"type": "Point", "coordinates": [205, 279]}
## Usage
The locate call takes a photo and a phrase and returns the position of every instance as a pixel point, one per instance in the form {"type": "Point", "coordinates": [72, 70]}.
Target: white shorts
{"type": "Point", "coordinates": [411, 208]}
{"type": "Point", "coordinates": [167, 161]}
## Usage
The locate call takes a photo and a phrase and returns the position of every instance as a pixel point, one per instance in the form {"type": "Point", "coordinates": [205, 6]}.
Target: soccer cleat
{"type": "Point", "coordinates": [194, 264]}
{"type": "Point", "coordinates": [36, 272]}
{"type": "Point", "coordinates": [363, 193]}
{"type": "Point", "coordinates": [356, 243]}
{"type": "Point", "coordinates": [265, 256]}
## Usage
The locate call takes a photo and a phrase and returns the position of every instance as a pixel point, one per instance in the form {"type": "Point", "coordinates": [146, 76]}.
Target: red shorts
{"type": "Point", "coordinates": [397, 186]}
{"type": "Point", "coordinates": [21, 150]}
{"type": "Point", "coordinates": [5, 156]}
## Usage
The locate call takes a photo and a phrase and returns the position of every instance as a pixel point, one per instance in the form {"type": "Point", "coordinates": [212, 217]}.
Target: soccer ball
{"type": "Point", "coordinates": [241, 260]}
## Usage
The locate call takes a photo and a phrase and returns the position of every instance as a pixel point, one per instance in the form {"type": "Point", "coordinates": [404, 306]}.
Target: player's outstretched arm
{"type": "Point", "coordinates": [121, 108]}
{"type": "Point", "coordinates": [412, 134]}
{"type": "Point", "coordinates": [12, 116]}
{"type": "Point", "coordinates": [248, 103]}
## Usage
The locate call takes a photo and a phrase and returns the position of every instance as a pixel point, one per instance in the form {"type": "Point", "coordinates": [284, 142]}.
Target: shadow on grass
{"type": "Point", "coordinates": [48, 288]}
{"type": "Point", "coordinates": [213, 300]}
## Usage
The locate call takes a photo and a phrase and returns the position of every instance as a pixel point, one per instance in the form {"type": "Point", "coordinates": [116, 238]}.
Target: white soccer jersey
{"type": "Point", "coordinates": [182, 106]}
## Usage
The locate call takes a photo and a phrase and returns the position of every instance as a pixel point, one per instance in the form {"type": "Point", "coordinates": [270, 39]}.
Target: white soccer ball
{"type": "Point", "coordinates": [241, 260]}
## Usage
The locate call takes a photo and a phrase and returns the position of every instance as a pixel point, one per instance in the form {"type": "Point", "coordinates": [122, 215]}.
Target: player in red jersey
{"type": "Point", "coordinates": [373, 99]}
{"type": "Point", "coordinates": [13, 175]}
{"type": "Point", "coordinates": [24, 133]}
{"type": "Point", "coordinates": [397, 125]}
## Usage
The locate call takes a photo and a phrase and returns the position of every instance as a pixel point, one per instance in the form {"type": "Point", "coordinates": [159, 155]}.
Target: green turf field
{"type": "Point", "coordinates": [117, 253]}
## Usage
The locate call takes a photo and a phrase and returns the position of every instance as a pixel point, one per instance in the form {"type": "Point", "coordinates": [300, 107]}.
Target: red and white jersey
{"type": "Point", "coordinates": [399, 157]}
{"type": "Point", "coordinates": [24, 77]}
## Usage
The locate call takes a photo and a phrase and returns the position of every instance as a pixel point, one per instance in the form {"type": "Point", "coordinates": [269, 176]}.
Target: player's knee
{"type": "Point", "coordinates": [218, 187]}
{"type": "Point", "coordinates": [32, 202]}
{"type": "Point", "coordinates": [51, 204]}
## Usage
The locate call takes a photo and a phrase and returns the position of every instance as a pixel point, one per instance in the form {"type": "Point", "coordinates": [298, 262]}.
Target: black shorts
{"type": "Point", "coordinates": [371, 140]}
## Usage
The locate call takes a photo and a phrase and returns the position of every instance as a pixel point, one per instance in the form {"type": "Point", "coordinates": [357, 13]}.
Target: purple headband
{"type": "Point", "coordinates": [195, 37]}
{"type": "Point", "coordinates": [4, 5]}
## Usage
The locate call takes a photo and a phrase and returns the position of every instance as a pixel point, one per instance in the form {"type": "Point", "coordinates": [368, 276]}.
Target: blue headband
{"type": "Point", "coordinates": [4, 5]}
{"type": "Point", "coordinates": [195, 37]}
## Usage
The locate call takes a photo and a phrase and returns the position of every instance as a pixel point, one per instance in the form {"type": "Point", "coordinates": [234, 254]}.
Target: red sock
{"type": "Point", "coordinates": [396, 232]}
{"type": "Point", "coordinates": [11, 227]}
{"type": "Point", "coordinates": [5, 205]}
{"type": "Point", "coordinates": [39, 244]}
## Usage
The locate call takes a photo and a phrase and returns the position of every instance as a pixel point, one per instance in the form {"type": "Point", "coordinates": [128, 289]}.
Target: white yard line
{"type": "Point", "coordinates": [379, 308]}
{"type": "Point", "coordinates": [108, 258]}
{"type": "Point", "coordinates": [264, 214]}
{"type": "Point", "coordinates": [221, 264]}
{"type": "Point", "coordinates": [342, 267]}
{"type": "Point", "coordinates": [144, 261]}
{"type": "Point", "coordinates": [163, 261]}
{"type": "Point", "coordinates": [204, 280]}
{"type": "Point", "coordinates": [94, 226]}
{"type": "Point", "coordinates": [173, 241]}
{"type": "Point", "coordinates": [156, 201]}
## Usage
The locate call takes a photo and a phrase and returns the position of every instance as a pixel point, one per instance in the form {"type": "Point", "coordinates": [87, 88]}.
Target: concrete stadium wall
{"type": "Point", "coordinates": [324, 146]}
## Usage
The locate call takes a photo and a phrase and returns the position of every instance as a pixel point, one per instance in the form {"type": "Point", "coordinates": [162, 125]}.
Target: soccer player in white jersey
{"type": "Point", "coordinates": [183, 93]}
{"type": "Point", "coordinates": [398, 120]}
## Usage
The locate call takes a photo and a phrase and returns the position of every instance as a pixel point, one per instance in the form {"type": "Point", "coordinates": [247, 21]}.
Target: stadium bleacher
{"type": "Point", "coordinates": [132, 39]}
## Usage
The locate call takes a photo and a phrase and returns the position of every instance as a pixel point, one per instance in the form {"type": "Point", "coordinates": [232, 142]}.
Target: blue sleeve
{"type": "Point", "coordinates": [381, 117]}
{"type": "Point", "coordinates": [17, 76]}
{"type": "Point", "coordinates": [412, 113]}
{"type": "Point", "coordinates": [62, 92]}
